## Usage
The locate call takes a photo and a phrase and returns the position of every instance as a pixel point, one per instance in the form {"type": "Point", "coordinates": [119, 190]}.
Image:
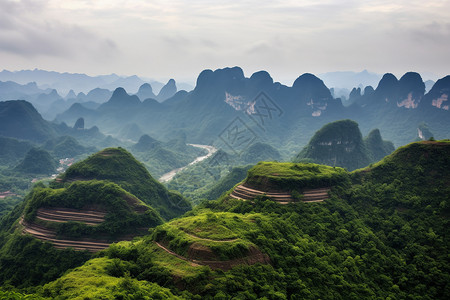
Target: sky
{"type": "Point", "coordinates": [180, 38]}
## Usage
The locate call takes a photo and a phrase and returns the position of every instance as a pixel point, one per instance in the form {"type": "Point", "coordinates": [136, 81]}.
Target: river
{"type": "Point", "coordinates": [169, 175]}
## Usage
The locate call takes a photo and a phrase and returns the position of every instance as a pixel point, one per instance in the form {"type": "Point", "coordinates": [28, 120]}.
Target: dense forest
{"type": "Point", "coordinates": [381, 233]}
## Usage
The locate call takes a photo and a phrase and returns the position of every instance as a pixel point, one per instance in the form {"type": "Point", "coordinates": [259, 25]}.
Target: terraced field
{"type": "Point", "coordinates": [47, 235]}
{"type": "Point", "coordinates": [311, 195]}
{"type": "Point", "coordinates": [90, 217]}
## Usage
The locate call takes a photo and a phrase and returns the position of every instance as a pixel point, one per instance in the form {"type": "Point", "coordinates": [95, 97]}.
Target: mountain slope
{"type": "Point", "coordinates": [20, 120]}
{"type": "Point", "coordinates": [37, 161]}
{"type": "Point", "coordinates": [337, 144]}
{"type": "Point", "coordinates": [119, 166]}
{"type": "Point", "coordinates": [383, 232]}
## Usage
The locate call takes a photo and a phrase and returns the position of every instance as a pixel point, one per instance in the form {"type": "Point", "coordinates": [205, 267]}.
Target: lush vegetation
{"type": "Point", "coordinates": [12, 150]}
{"type": "Point", "coordinates": [224, 184]}
{"type": "Point", "coordinates": [222, 233]}
{"type": "Point", "coordinates": [119, 166]}
{"type": "Point", "coordinates": [294, 176]}
{"type": "Point", "coordinates": [121, 217]}
{"type": "Point", "coordinates": [94, 281]}
{"type": "Point", "coordinates": [37, 161]}
{"type": "Point", "coordinates": [160, 158]}
{"type": "Point", "coordinates": [382, 234]}
{"type": "Point", "coordinates": [212, 177]}
{"type": "Point", "coordinates": [340, 143]}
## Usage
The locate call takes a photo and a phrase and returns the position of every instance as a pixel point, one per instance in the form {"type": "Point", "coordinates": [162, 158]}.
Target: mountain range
{"type": "Point", "coordinates": [274, 113]}
{"type": "Point", "coordinates": [49, 102]}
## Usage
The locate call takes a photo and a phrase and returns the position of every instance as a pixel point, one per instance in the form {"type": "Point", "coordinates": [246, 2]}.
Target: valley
{"type": "Point", "coordinates": [217, 193]}
{"type": "Point", "coordinates": [170, 175]}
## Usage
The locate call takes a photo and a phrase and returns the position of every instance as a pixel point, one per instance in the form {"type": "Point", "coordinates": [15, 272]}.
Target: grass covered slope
{"type": "Point", "coordinates": [119, 166]}
{"type": "Point", "coordinates": [215, 240]}
{"type": "Point", "coordinates": [420, 165]}
{"type": "Point", "coordinates": [95, 280]}
{"type": "Point", "coordinates": [274, 176]}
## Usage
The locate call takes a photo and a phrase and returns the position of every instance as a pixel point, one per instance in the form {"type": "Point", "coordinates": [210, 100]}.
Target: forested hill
{"type": "Point", "coordinates": [381, 233]}
{"type": "Point", "coordinates": [119, 166]}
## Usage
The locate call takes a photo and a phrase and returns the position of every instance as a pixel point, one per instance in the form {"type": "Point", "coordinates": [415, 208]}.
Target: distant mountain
{"type": "Point", "coordinates": [146, 143]}
{"type": "Point", "coordinates": [97, 95]}
{"type": "Point", "coordinates": [70, 95]}
{"type": "Point", "coordinates": [340, 144]}
{"type": "Point", "coordinates": [120, 100]}
{"type": "Point", "coordinates": [350, 80]}
{"type": "Point", "coordinates": [37, 161]}
{"type": "Point", "coordinates": [131, 83]}
{"type": "Point", "coordinates": [12, 150]}
{"type": "Point", "coordinates": [429, 85]}
{"type": "Point", "coordinates": [66, 146]}
{"type": "Point", "coordinates": [130, 132]}
{"type": "Point", "coordinates": [437, 98]}
{"type": "Point", "coordinates": [145, 91]}
{"type": "Point", "coordinates": [10, 90]}
{"type": "Point", "coordinates": [225, 100]}
{"type": "Point", "coordinates": [79, 124]}
{"type": "Point", "coordinates": [259, 152]}
{"type": "Point", "coordinates": [167, 91]}
{"type": "Point", "coordinates": [20, 120]}
{"type": "Point", "coordinates": [64, 82]}
{"type": "Point", "coordinates": [377, 147]}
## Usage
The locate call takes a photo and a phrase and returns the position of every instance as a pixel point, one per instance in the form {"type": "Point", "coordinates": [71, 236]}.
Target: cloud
{"type": "Point", "coordinates": [26, 29]}
{"type": "Point", "coordinates": [167, 37]}
{"type": "Point", "coordinates": [434, 32]}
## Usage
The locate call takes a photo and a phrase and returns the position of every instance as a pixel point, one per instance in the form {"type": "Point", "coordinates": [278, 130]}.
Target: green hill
{"type": "Point", "coordinates": [420, 166]}
{"type": "Point", "coordinates": [119, 166]}
{"type": "Point", "coordinates": [37, 161]}
{"type": "Point", "coordinates": [340, 143]}
{"type": "Point", "coordinates": [270, 176]}
{"type": "Point", "coordinates": [43, 233]}
{"type": "Point", "coordinates": [382, 233]}
{"type": "Point", "coordinates": [103, 209]}
{"type": "Point", "coordinates": [12, 150]}
{"type": "Point", "coordinates": [66, 146]}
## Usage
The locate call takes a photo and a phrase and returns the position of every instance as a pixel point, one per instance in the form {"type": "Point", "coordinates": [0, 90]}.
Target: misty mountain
{"type": "Point", "coordinates": [10, 90]}
{"type": "Point", "coordinates": [64, 82]}
{"type": "Point", "coordinates": [20, 120]}
{"type": "Point", "coordinates": [167, 91]}
{"type": "Point", "coordinates": [349, 80]}
{"type": "Point", "coordinates": [145, 91]}
{"type": "Point", "coordinates": [225, 102]}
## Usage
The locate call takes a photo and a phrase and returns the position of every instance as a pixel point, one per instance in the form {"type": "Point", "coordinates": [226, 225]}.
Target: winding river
{"type": "Point", "coordinates": [169, 175]}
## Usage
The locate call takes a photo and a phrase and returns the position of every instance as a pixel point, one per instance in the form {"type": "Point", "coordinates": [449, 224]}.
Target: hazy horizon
{"type": "Point", "coordinates": [179, 39]}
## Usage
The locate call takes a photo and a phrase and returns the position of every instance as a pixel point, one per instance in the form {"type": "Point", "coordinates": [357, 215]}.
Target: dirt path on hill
{"type": "Point", "coordinates": [176, 255]}
{"type": "Point", "coordinates": [255, 256]}
{"type": "Point", "coordinates": [211, 240]}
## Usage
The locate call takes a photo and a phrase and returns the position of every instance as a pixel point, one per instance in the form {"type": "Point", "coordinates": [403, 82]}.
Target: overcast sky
{"type": "Point", "coordinates": [164, 39]}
